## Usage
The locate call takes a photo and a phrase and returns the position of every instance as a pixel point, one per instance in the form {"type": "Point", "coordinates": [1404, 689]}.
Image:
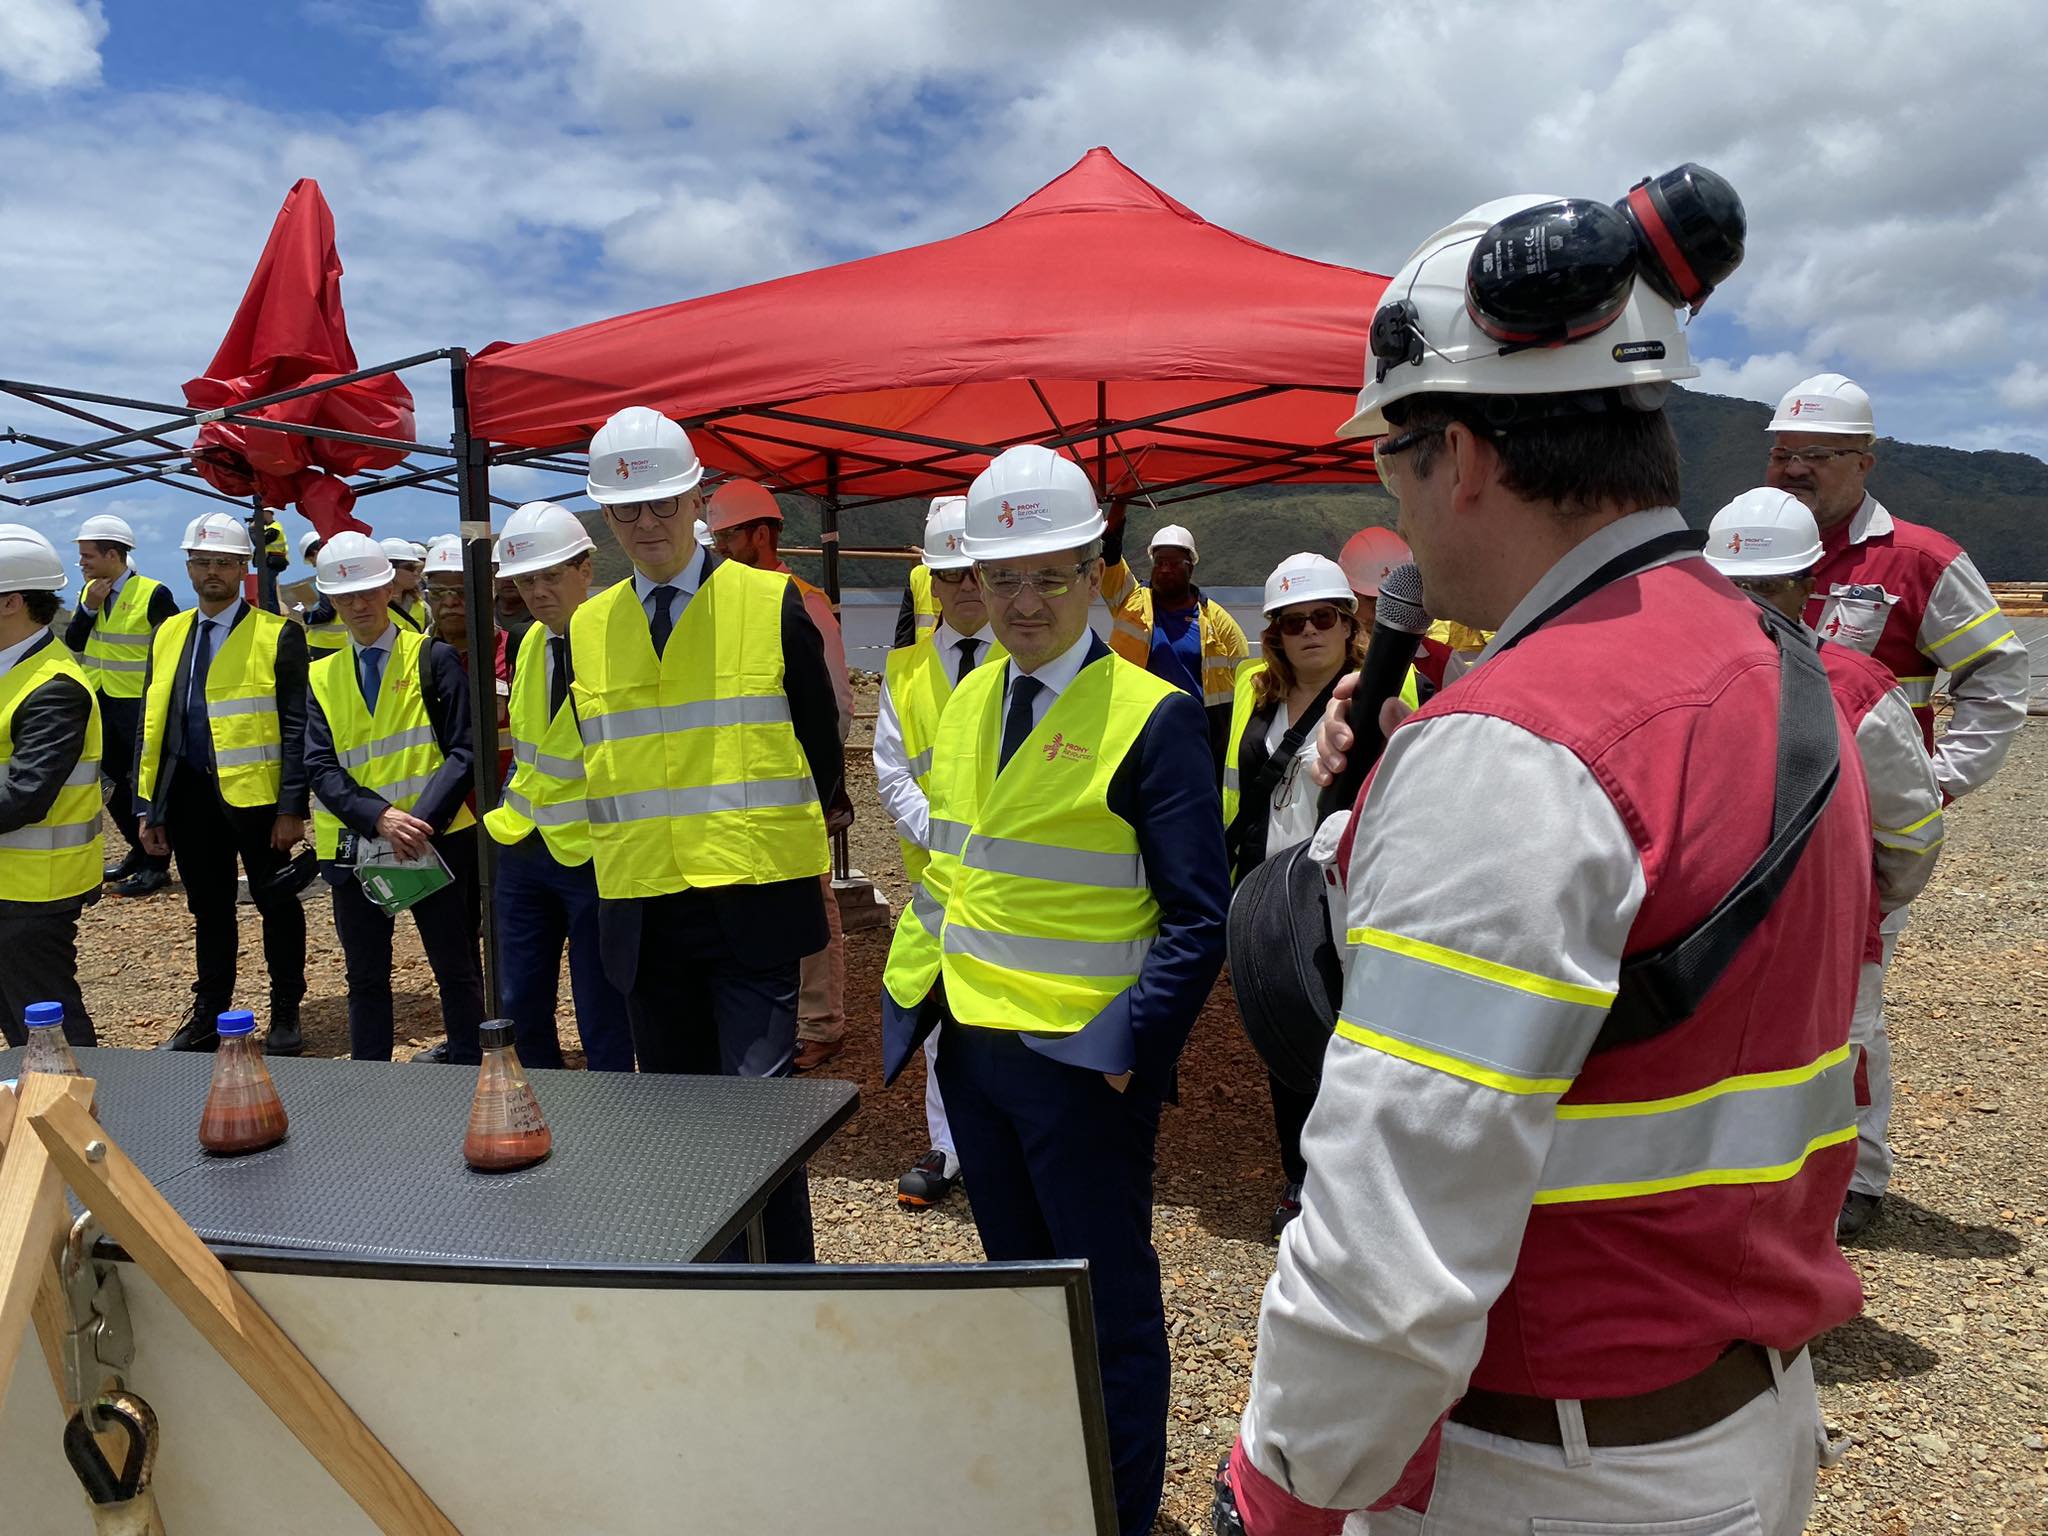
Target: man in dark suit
{"type": "Point", "coordinates": [1072, 915]}
{"type": "Point", "coordinates": [390, 757]}
{"type": "Point", "coordinates": [220, 772]}
{"type": "Point", "coordinates": [708, 888]}
{"type": "Point", "coordinates": [50, 848]}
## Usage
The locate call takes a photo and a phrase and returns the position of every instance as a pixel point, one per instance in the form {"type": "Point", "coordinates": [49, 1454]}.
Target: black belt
{"type": "Point", "coordinates": [1669, 1413]}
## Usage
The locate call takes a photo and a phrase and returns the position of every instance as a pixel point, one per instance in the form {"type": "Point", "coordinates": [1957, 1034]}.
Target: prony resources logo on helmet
{"type": "Point", "coordinates": [1060, 747]}
{"type": "Point", "coordinates": [624, 470]}
{"type": "Point", "coordinates": [348, 570]}
{"type": "Point", "coordinates": [1800, 406]}
{"type": "Point", "coordinates": [952, 543]}
{"type": "Point", "coordinates": [515, 549]}
{"type": "Point", "coordinates": [1286, 583]}
{"type": "Point", "coordinates": [1031, 511]}
{"type": "Point", "coordinates": [1737, 542]}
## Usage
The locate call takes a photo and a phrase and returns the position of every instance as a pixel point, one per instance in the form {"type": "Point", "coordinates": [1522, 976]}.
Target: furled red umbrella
{"type": "Point", "coordinates": [1099, 314]}
{"type": "Point", "coordinates": [290, 331]}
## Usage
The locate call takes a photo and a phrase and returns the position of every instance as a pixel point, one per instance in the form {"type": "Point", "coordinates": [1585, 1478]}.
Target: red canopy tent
{"type": "Point", "coordinates": [1099, 314]}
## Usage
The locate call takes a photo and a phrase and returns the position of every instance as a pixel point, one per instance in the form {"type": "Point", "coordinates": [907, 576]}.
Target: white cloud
{"type": "Point", "coordinates": [2025, 388]}
{"type": "Point", "coordinates": [1763, 377]}
{"type": "Point", "coordinates": [47, 44]}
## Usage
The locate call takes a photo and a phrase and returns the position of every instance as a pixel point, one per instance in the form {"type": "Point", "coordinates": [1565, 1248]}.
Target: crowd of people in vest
{"type": "Point", "coordinates": [1523, 1271]}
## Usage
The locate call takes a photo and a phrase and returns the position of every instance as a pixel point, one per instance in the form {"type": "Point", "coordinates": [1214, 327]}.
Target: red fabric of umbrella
{"type": "Point", "coordinates": [289, 331]}
{"type": "Point", "coordinates": [1099, 312]}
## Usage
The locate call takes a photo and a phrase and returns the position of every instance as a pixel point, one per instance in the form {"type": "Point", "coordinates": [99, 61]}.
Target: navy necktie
{"type": "Point", "coordinates": [966, 646]}
{"type": "Point", "coordinates": [558, 687]}
{"type": "Point", "coordinates": [370, 672]}
{"type": "Point", "coordinates": [664, 620]}
{"type": "Point", "coordinates": [198, 734]}
{"type": "Point", "coordinates": [1017, 724]}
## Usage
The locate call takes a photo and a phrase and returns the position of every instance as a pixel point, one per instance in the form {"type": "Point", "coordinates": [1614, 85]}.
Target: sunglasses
{"type": "Point", "coordinates": [1297, 623]}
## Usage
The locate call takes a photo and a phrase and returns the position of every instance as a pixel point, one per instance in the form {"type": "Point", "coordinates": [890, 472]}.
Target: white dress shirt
{"type": "Point", "coordinates": [222, 622]}
{"type": "Point", "coordinates": [15, 652]}
{"type": "Point", "coordinates": [902, 800]}
{"type": "Point", "coordinates": [1054, 678]}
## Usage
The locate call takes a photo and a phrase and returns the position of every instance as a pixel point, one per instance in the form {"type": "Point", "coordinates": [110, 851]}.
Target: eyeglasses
{"type": "Point", "coordinates": [1812, 458]}
{"type": "Point", "coordinates": [215, 563]}
{"type": "Point", "coordinates": [1050, 583]}
{"type": "Point", "coordinates": [1292, 624]}
{"type": "Point", "coordinates": [629, 511]}
{"type": "Point", "coordinates": [1385, 448]}
{"type": "Point", "coordinates": [952, 578]}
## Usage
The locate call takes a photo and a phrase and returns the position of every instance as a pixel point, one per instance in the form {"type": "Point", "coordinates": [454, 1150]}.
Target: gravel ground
{"type": "Point", "coordinates": [1943, 1382]}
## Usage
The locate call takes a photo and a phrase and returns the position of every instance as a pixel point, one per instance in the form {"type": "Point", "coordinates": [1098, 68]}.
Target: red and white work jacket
{"type": "Point", "coordinates": [1487, 1202]}
{"type": "Point", "coordinates": [1909, 597]}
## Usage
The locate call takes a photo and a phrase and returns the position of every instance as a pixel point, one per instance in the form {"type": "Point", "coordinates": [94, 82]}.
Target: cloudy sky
{"type": "Point", "coordinates": [505, 168]}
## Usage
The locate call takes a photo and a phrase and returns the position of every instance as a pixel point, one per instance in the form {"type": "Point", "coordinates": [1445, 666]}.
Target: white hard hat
{"type": "Point", "coordinates": [396, 549]}
{"type": "Point", "coordinates": [741, 501]}
{"type": "Point", "coordinates": [1369, 555]}
{"type": "Point", "coordinates": [1763, 533]}
{"type": "Point", "coordinates": [945, 528]}
{"type": "Point", "coordinates": [538, 536]}
{"type": "Point", "coordinates": [640, 455]}
{"type": "Point", "coordinates": [1173, 536]}
{"type": "Point", "coordinates": [215, 533]}
{"type": "Point", "coordinates": [307, 540]}
{"type": "Point", "coordinates": [702, 531]}
{"type": "Point", "coordinates": [1307, 578]}
{"type": "Point", "coordinates": [1642, 347]}
{"type": "Point", "coordinates": [1827, 402]}
{"type": "Point", "coordinates": [352, 562]}
{"type": "Point", "coordinates": [28, 561]}
{"type": "Point", "coordinates": [444, 555]}
{"type": "Point", "coordinates": [105, 528]}
{"type": "Point", "coordinates": [1029, 501]}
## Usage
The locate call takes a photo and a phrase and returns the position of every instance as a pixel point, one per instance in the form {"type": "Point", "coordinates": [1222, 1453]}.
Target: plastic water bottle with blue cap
{"type": "Point", "coordinates": [47, 1050]}
{"type": "Point", "coordinates": [243, 1112]}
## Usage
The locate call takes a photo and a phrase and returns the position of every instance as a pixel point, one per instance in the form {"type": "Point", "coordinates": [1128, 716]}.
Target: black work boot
{"type": "Point", "coordinates": [197, 1032]}
{"type": "Point", "coordinates": [283, 1037]}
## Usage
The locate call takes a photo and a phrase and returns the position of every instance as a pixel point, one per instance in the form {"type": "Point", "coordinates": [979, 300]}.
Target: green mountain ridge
{"type": "Point", "coordinates": [1994, 504]}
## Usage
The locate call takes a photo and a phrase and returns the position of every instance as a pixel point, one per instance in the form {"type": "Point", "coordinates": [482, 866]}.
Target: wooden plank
{"type": "Point", "coordinates": [138, 1217]}
{"type": "Point", "coordinates": [32, 1213]}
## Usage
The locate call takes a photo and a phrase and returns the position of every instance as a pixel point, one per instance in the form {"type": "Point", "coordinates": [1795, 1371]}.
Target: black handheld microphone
{"type": "Point", "coordinates": [1397, 629]}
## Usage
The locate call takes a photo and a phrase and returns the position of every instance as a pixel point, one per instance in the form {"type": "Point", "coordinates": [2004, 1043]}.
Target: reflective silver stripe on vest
{"type": "Point", "coordinates": [1053, 957]}
{"type": "Point", "coordinates": [74, 834]}
{"type": "Point", "coordinates": [385, 746]}
{"type": "Point", "coordinates": [927, 909]}
{"type": "Point", "coordinates": [545, 816]}
{"type": "Point", "coordinates": [945, 836]}
{"type": "Point", "coordinates": [404, 789]}
{"type": "Point", "coordinates": [704, 800]}
{"type": "Point", "coordinates": [115, 664]}
{"type": "Point", "coordinates": [921, 764]}
{"type": "Point", "coordinates": [1744, 1130]}
{"type": "Point", "coordinates": [1069, 866]}
{"type": "Point", "coordinates": [82, 772]}
{"type": "Point", "coordinates": [1477, 1020]}
{"type": "Point", "coordinates": [1230, 776]}
{"type": "Point", "coordinates": [125, 639]}
{"type": "Point", "coordinates": [261, 705]}
{"type": "Point", "coordinates": [245, 757]}
{"type": "Point", "coordinates": [556, 767]}
{"type": "Point", "coordinates": [665, 719]}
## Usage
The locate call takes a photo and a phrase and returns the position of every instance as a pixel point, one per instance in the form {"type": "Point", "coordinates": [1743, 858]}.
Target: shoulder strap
{"type": "Point", "coordinates": [1664, 988]}
{"type": "Point", "coordinates": [1260, 788]}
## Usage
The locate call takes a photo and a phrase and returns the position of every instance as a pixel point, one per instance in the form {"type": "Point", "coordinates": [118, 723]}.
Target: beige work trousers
{"type": "Point", "coordinates": [1752, 1474]}
{"type": "Point", "coordinates": [821, 986]}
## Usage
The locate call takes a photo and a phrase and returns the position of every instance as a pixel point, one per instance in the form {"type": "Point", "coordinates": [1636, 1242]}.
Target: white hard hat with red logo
{"type": "Point", "coordinates": [945, 526]}
{"type": "Point", "coordinates": [539, 536]}
{"type": "Point", "coordinates": [640, 455]}
{"type": "Point", "coordinates": [1030, 501]}
{"type": "Point", "coordinates": [28, 561]}
{"type": "Point", "coordinates": [1369, 557]}
{"type": "Point", "coordinates": [104, 528]}
{"type": "Point", "coordinates": [1827, 402]}
{"type": "Point", "coordinates": [216, 533]}
{"type": "Point", "coordinates": [1763, 533]}
{"type": "Point", "coordinates": [351, 562]}
{"type": "Point", "coordinates": [1307, 578]}
{"type": "Point", "coordinates": [444, 555]}
{"type": "Point", "coordinates": [741, 501]}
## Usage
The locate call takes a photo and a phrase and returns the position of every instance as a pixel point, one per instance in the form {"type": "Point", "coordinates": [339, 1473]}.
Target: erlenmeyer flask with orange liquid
{"type": "Point", "coordinates": [243, 1112]}
{"type": "Point", "coordinates": [506, 1127]}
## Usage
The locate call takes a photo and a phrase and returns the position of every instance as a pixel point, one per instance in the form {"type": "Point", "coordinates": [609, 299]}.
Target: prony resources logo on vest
{"type": "Point", "coordinates": [1059, 747]}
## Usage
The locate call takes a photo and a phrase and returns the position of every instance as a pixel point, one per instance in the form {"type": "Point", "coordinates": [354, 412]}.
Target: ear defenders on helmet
{"type": "Point", "coordinates": [1563, 270]}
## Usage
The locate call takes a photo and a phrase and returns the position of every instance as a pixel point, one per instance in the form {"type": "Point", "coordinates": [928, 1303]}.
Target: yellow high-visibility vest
{"type": "Point", "coordinates": [326, 638]}
{"type": "Point", "coordinates": [923, 606]}
{"type": "Point", "coordinates": [117, 645]}
{"type": "Point", "coordinates": [412, 613]}
{"type": "Point", "coordinates": [241, 707]}
{"type": "Point", "coordinates": [1036, 904]}
{"type": "Point", "coordinates": [546, 790]}
{"type": "Point", "coordinates": [918, 685]}
{"type": "Point", "coordinates": [392, 753]}
{"type": "Point", "coordinates": [693, 775]}
{"type": "Point", "coordinates": [1242, 705]}
{"type": "Point", "coordinates": [61, 855]}
{"type": "Point", "coordinates": [1130, 632]}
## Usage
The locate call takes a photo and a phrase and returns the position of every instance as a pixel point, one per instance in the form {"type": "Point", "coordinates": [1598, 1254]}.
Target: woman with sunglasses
{"type": "Point", "coordinates": [1312, 638]}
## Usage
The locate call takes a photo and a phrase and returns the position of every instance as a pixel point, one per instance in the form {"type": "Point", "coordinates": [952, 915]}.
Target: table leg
{"type": "Point", "coordinates": [757, 1243]}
